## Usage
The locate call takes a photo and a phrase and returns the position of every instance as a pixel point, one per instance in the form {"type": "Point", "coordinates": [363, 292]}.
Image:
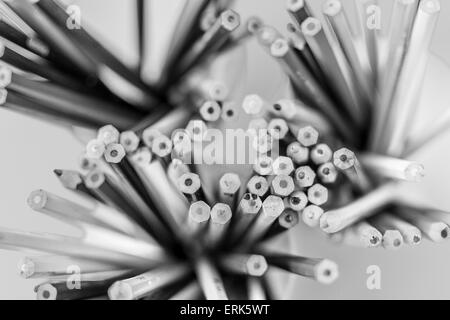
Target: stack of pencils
{"type": "Point", "coordinates": [359, 87]}
{"type": "Point", "coordinates": [150, 228]}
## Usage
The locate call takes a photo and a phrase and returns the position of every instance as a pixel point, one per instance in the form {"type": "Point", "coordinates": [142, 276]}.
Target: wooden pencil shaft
{"type": "Point", "coordinates": [322, 270]}
{"type": "Point", "coordinates": [144, 284]}
{"type": "Point", "coordinates": [370, 24]}
{"type": "Point", "coordinates": [253, 24]}
{"type": "Point", "coordinates": [185, 33]}
{"type": "Point", "coordinates": [210, 281]}
{"type": "Point", "coordinates": [330, 58]}
{"type": "Point", "coordinates": [272, 208]}
{"type": "Point", "coordinates": [166, 198]}
{"type": "Point", "coordinates": [133, 198]}
{"type": "Point", "coordinates": [402, 19]}
{"type": "Point", "coordinates": [307, 86]}
{"type": "Point", "coordinates": [296, 111]}
{"type": "Point", "coordinates": [11, 17]}
{"type": "Point", "coordinates": [98, 52]}
{"type": "Point", "coordinates": [73, 180]}
{"type": "Point", "coordinates": [213, 38]}
{"type": "Point", "coordinates": [418, 142]}
{"type": "Point", "coordinates": [192, 291]}
{"type": "Point", "coordinates": [433, 229]}
{"type": "Point", "coordinates": [103, 186]}
{"type": "Point", "coordinates": [115, 155]}
{"type": "Point", "coordinates": [85, 277]}
{"type": "Point", "coordinates": [60, 208]}
{"type": "Point", "coordinates": [244, 264]}
{"type": "Point", "coordinates": [367, 234]}
{"type": "Point", "coordinates": [114, 241]}
{"type": "Point", "coordinates": [44, 266]}
{"type": "Point", "coordinates": [255, 289]}
{"type": "Point", "coordinates": [288, 220]}
{"type": "Point", "coordinates": [61, 245]}
{"type": "Point", "coordinates": [165, 122]}
{"type": "Point", "coordinates": [54, 37]}
{"type": "Point", "coordinates": [221, 216]}
{"type": "Point", "coordinates": [393, 168]}
{"type": "Point", "coordinates": [73, 103]}
{"type": "Point", "coordinates": [337, 220]}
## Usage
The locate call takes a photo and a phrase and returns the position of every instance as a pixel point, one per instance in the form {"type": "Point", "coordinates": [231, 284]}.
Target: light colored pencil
{"type": "Point", "coordinates": [336, 220]}
{"type": "Point", "coordinates": [393, 168]}
{"type": "Point", "coordinates": [144, 284]}
{"type": "Point", "coordinates": [244, 264]}
{"type": "Point", "coordinates": [210, 280]}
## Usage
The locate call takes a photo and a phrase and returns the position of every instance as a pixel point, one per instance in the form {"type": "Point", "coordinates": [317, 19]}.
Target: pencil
{"type": "Point", "coordinates": [227, 22]}
{"type": "Point", "coordinates": [298, 201]}
{"type": "Point", "coordinates": [210, 111]}
{"type": "Point", "coordinates": [229, 186]}
{"type": "Point", "coordinates": [221, 216]}
{"type": "Point", "coordinates": [282, 185]}
{"type": "Point", "coordinates": [311, 216]}
{"type": "Point", "coordinates": [210, 280]}
{"type": "Point", "coordinates": [298, 153]}
{"type": "Point", "coordinates": [278, 129]}
{"type": "Point", "coordinates": [125, 83]}
{"type": "Point", "coordinates": [347, 162]}
{"type": "Point", "coordinates": [327, 173]}
{"type": "Point", "coordinates": [144, 284]}
{"type": "Point", "coordinates": [304, 177]}
{"type": "Point", "coordinates": [258, 185]}
{"type": "Point", "coordinates": [434, 230]}
{"type": "Point", "coordinates": [287, 220]}
{"type": "Point", "coordinates": [255, 289]}
{"type": "Point", "coordinates": [248, 210]}
{"type": "Point", "coordinates": [358, 60]}
{"type": "Point", "coordinates": [393, 168]}
{"type": "Point", "coordinates": [404, 103]}
{"type": "Point", "coordinates": [244, 264]}
{"type": "Point", "coordinates": [410, 233]}
{"type": "Point", "coordinates": [298, 10]}
{"type": "Point", "coordinates": [50, 265]}
{"type": "Point", "coordinates": [331, 59]}
{"type": "Point", "coordinates": [336, 220]}
{"type": "Point", "coordinates": [60, 245]}
{"type": "Point", "coordinates": [321, 154]}
{"type": "Point", "coordinates": [198, 217]}
{"type": "Point", "coordinates": [272, 208]}
{"type": "Point", "coordinates": [322, 270]}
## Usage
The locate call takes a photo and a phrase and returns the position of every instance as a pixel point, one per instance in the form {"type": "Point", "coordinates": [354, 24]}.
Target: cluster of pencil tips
{"type": "Point", "coordinates": [150, 228]}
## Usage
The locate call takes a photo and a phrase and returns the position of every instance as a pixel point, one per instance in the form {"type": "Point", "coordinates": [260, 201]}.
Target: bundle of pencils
{"type": "Point", "coordinates": [360, 90]}
{"type": "Point", "coordinates": [151, 227]}
{"type": "Point", "coordinates": [54, 69]}
{"type": "Point", "coordinates": [150, 230]}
